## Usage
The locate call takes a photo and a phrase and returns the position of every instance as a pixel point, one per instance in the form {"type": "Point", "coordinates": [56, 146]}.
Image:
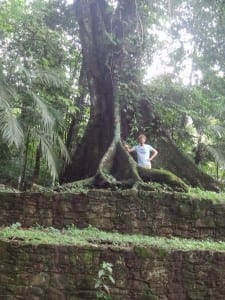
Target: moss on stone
{"type": "Point", "coordinates": [149, 296]}
{"type": "Point", "coordinates": [73, 259]}
{"type": "Point", "coordinates": [80, 186]}
{"type": "Point", "coordinates": [87, 257]}
{"type": "Point", "coordinates": [144, 252]}
{"type": "Point", "coordinates": [196, 213]}
{"type": "Point", "coordinates": [184, 210]}
{"type": "Point", "coordinates": [210, 222]}
{"type": "Point", "coordinates": [163, 253]}
{"type": "Point", "coordinates": [164, 177]}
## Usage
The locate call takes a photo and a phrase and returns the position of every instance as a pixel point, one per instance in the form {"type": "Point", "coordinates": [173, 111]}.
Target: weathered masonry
{"type": "Point", "coordinates": [44, 272]}
{"type": "Point", "coordinates": [151, 213]}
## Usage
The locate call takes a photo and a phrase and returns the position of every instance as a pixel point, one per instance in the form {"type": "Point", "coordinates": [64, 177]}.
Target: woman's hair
{"type": "Point", "coordinates": [141, 136]}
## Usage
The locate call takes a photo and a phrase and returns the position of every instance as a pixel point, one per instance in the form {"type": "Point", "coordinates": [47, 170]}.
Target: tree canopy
{"type": "Point", "coordinates": [74, 83]}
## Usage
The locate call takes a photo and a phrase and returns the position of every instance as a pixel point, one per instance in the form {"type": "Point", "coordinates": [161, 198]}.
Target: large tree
{"type": "Point", "coordinates": [112, 38]}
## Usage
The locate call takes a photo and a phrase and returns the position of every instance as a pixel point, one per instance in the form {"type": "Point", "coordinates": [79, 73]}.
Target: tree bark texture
{"type": "Point", "coordinates": [95, 49]}
{"type": "Point", "coordinates": [73, 133]}
{"type": "Point", "coordinates": [110, 58]}
{"type": "Point", "coordinates": [103, 33]}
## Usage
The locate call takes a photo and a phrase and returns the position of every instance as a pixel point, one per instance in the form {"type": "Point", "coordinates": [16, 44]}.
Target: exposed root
{"type": "Point", "coordinates": [117, 169]}
{"type": "Point", "coordinates": [76, 186]}
{"type": "Point", "coordinates": [163, 177]}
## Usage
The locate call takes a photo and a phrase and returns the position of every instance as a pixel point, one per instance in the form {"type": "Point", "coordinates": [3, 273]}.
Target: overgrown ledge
{"type": "Point", "coordinates": [128, 211]}
{"type": "Point", "coordinates": [33, 266]}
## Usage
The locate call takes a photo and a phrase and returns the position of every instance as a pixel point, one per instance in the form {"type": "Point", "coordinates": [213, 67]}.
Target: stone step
{"type": "Point", "coordinates": [150, 213]}
{"type": "Point", "coordinates": [31, 271]}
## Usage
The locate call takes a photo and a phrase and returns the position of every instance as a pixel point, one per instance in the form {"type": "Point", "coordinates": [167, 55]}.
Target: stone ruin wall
{"type": "Point", "coordinates": [42, 272]}
{"type": "Point", "coordinates": [151, 213]}
{"type": "Point", "coordinates": [31, 272]}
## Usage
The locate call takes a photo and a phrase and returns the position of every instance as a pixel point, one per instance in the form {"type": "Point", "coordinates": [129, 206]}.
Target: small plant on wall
{"type": "Point", "coordinates": [103, 280]}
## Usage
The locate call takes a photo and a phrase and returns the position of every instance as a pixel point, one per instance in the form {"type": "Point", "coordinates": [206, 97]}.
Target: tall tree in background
{"type": "Point", "coordinates": [102, 34]}
{"type": "Point", "coordinates": [112, 35]}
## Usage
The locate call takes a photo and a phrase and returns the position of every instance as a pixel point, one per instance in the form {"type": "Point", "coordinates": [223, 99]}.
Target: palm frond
{"type": "Point", "coordinates": [49, 155]}
{"type": "Point", "coordinates": [218, 130]}
{"type": "Point", "coordinates": [45, 114]}
{"type": "Point", "coordinates": [9, 125]}
{"type": "Point", "coordinates": [4, 91]}
{"type": "Point", "coordinates": [25, 72]}
{"type": "Point", "coordinates": [50, 78]}
{"type": "Point", "coordinates": [51, 144]}
{"type": "Point", "coordinates": [218, 152]}
{"type": "Point", "coordinates": [63, 150]}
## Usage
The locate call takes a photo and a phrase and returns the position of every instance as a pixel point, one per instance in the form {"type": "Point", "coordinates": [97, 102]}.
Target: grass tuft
{"type": "Point", "coordinates": [202, 195]}
{"type": "Point", "coordinates": [92, 236]}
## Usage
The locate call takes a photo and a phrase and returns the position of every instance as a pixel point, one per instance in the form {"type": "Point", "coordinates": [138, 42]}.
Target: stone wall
{"type": "Point", "coordinates": [151, 213]}
{"type": "Point", "coordinates": [42, 272]}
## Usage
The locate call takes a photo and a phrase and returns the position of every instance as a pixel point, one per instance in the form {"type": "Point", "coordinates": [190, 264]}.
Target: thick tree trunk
{"type": "Point", "coordinates": [171, 158]}
{"type": "Point", "coordinates": [99, 133]}
{"type": "Point", "coordinates": [107, 41]}
{"type": "Point", "coordinates": [72, 139]}
{"type": "Point", "coordinates": [89, 152]}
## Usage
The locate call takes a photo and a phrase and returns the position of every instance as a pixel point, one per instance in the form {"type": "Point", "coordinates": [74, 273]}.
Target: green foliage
{"type": "Point", "coordinates": [201, 194]}
{"type": "Point", "coordinates": [103, 280]}
{"type": "Point", "coordinates": [15, 226]}
{"type": "Point", "coordinates": [80, 186]}
{"type": "Point", "coordinates": [194, 117]}
{"type": "Point", "coordinates": [39, 66]}
{"type": "Point", "coordinates": [73, 236]}
{"type": "Point", "coordinates": [10, 128]}
{"type": "Point", "coordinates": [164, 177]}
{"type": "Point", "coordinates": [40, 63]}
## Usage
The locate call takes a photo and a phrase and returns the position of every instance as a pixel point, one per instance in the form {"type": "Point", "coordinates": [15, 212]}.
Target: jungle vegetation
{"type": "Point", "coordinates": [78, 79]}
